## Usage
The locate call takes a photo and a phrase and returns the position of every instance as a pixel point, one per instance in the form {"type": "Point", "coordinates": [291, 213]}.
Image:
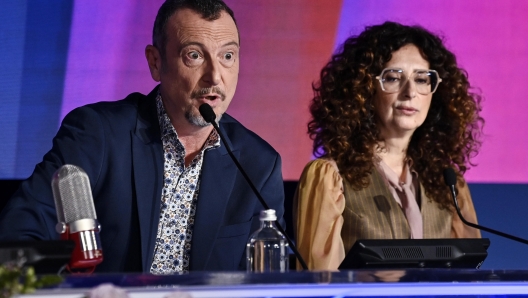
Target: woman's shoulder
{"type": "Point", "coordinates": [322, 165]}
{"type": "Point", "coordinates": [321, 171]}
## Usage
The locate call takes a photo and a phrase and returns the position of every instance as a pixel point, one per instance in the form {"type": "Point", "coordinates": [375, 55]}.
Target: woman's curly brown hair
{"type": "Point", "coordinates": [344, 126]}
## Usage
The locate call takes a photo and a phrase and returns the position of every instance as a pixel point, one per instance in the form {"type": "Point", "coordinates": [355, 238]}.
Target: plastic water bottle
{"type": "Point", "coordinates": [267, 249]}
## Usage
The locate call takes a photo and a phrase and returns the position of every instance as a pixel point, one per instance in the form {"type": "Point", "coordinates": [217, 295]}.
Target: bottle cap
{"type": "Point", "coordinates": [268, 215]}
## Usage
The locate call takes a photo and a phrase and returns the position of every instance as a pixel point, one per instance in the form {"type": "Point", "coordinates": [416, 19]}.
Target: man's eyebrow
{"type": "Point", "coordinates": [232, 43]}
{"type": "Point", "coordinates": [194, 43]}
{"type": "Point", "coordinates": [191, 43]}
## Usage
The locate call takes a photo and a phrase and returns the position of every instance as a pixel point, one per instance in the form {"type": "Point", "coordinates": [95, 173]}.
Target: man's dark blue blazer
{"type": "Point", "coordinates": [119, 146]}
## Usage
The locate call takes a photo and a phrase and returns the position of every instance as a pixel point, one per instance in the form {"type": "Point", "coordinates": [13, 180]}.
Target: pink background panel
{"type": "Point", "coordinates": [284, 44]}
{"type": "Point", "coordinates": [489, 40]}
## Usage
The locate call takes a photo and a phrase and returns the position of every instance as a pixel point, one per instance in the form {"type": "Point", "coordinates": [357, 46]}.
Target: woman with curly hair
{"type": "Point", "coordinates": [392, 110]}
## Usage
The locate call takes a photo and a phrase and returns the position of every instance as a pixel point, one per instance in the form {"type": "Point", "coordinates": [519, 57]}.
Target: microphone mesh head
{"type": "Point", "coordinates": [72, 194]}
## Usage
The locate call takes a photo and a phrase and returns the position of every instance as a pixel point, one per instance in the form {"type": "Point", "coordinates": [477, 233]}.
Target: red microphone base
{"type": "Point", "coordinates": [87, 252]}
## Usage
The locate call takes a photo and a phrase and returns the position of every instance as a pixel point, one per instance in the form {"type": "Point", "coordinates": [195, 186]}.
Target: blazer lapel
{"type": "Point", "coordinates": [216, 183]}
{"type": "Point", "coordinates": [437, 223]}
{"type": "Point", "coordinates": [393, 213]}
{"type": "Point", "coordinates": [147, 163]}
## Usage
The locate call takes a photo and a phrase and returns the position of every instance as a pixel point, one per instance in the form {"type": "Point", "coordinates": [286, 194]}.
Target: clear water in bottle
{"type": "Point", "coordinates": [267, 249]}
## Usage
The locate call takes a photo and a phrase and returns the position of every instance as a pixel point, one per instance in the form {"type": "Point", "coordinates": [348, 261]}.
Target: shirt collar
{"type": "Point", "coordinates": [168, 130]}
{"type": "Point", "coordinates": [392, 177]}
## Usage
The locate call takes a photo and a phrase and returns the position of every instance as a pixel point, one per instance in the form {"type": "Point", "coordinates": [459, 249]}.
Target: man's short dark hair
{"type": "Point", "coordinates": [209, 9]}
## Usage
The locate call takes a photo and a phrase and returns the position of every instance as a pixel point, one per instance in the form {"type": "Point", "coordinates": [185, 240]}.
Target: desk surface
{"type": "Point", "coordinates": [357, 283]}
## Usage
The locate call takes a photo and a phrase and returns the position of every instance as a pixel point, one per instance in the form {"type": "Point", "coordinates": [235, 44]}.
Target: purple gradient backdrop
{"type": "Point", "coordinates": [106, 60]}
{"type": "Point", "coordinates": [286, 42]}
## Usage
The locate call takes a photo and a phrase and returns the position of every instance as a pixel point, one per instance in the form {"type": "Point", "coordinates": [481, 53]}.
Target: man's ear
{"type": "Point", "coordinates": [154, 62]}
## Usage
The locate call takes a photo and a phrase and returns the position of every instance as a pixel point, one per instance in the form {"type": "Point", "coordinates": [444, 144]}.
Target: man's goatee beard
{"type": "Point", "coordinates": [197, 119]}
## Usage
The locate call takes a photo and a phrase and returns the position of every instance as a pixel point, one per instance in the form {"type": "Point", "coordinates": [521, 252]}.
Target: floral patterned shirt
{"type": "Point", "coordinates": [178, 200]}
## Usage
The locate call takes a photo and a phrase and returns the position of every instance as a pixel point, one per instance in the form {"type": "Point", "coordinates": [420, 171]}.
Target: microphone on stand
{"type": "Point", "coordinates": [76, 216]}
{"type": "Point", "coordinates": [209, 116]}
{"type": "Point", "coordinates": [450, 180]}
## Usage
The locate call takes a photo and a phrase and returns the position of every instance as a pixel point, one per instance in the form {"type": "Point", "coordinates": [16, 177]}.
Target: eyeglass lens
{"type": "Point", "coordinates": [424, 81]}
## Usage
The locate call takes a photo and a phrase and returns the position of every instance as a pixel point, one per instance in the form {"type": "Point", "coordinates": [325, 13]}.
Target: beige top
{"type": "Point", "coordinates": [327, 221]}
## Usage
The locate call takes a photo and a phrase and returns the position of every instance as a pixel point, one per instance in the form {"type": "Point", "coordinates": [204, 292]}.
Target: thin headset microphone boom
{"type": "Point", "coordinates": [451, 180]}
{"type": "Point", "coordinates": [209, 116]}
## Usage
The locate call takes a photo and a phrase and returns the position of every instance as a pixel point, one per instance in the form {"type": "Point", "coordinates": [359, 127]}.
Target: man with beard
{"type": "Point", "coordinates": [167, 195]}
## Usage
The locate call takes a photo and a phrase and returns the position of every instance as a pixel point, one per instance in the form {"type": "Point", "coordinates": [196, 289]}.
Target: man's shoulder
{"type": "Point", "coordinates": [239, 135]}
{"type": "Point", "coordinates": [127, 104]}
{"type": "Point", "coordinates": [126, 109]}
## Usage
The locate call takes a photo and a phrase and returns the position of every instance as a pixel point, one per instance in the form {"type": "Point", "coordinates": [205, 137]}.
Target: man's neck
{"type": "Point", "coordinates": [193, 139]}
{"type": "Point", "coordinates": [191, 136]}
